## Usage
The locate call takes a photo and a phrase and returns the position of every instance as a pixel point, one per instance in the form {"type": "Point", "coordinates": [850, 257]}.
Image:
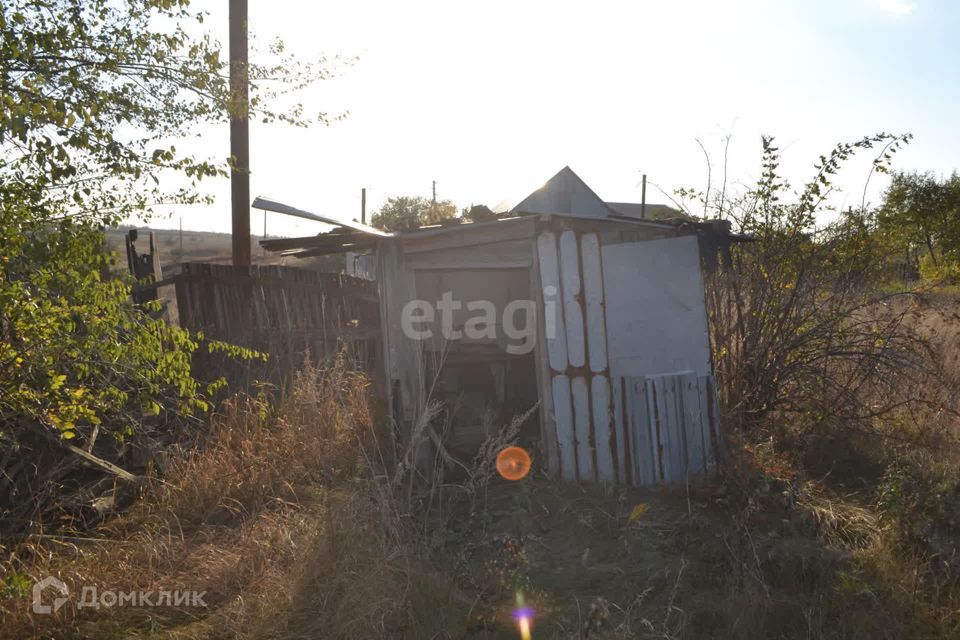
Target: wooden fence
{"type": "Point", "coordinates": [283, 311]}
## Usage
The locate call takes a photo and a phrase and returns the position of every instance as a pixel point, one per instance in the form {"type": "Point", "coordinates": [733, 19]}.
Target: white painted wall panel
{"type": "Point", "coordinates": [602, 418]}
{"type": "Point", "coordinates": [572, 311]}
{"type": "Point", "coordinates": [581, 421]}
{"type": "Point", "coordinates": [655, 311]}
{"type": "Point", "coordinates": [563, 418]}
{"type": "Point", "coordinates": [553, 316]}
{"type": "Point", "coordinates": [593, 297]}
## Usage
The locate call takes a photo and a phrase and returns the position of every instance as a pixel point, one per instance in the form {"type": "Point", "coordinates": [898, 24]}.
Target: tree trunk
{"type": "Point", "coordinates": [933, 255]}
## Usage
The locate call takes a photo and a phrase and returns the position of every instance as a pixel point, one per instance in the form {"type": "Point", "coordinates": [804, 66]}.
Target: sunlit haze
{"type": "Point", "coordinates": [490, 99]}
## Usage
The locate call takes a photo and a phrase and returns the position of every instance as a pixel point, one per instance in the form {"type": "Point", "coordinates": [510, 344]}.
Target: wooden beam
{"type": "Point", "coordinates": [279, 207]}
{"type": "Point", "coordinates": [150, 286]}
{"type": "Point", "coordinates": [103, 464]}
{"type": "Point", "coordinates": [322, 241]}
{"type": "Point", "coordinates": [326, 251]}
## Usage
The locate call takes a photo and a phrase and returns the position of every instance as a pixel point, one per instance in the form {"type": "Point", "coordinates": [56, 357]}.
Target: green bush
{"type": "Point", "coordinates": [76, 353]}
{"type": "Point", "coordinates": [94, 92]}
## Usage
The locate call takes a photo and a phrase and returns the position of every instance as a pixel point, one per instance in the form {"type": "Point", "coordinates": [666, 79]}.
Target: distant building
{"type": "Point", "coordinates": [565, 193]}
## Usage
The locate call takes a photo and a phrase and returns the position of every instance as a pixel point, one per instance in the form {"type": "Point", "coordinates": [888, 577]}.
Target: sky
{"type": "Point", "coordinates": [490, 99]}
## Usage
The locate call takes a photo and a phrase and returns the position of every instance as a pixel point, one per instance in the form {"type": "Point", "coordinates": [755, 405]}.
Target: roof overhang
{"type": "Point", "coordinates": [356, 237]}
{"type": "Point", "coordinates": [279, 207]}
{"type": "Point", "coordinates": [345, 236]}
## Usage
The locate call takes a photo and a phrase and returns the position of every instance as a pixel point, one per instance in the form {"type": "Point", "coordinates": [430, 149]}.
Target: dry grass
{"type": "Point", "coordinates": [275, 501]}
{"type": "Point", "coordinates": [292, 518]}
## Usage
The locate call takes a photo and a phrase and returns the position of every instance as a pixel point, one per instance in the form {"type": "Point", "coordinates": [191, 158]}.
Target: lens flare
{"type": "Point", "coordinates": [524, 617]}
{"type": "Point", "coordinates": [513, 463]}
{"type": "Point", "coordinates": [524, 624]}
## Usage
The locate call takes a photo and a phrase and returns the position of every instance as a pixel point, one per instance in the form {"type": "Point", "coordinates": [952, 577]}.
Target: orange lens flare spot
{"type": "Point", "coordinates": [513, 463]}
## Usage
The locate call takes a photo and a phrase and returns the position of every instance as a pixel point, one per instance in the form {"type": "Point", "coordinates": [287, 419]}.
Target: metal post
{"type": "Point", "coordinates": [643, 198]}
{"type": "Point", "coordinates": [239, 134]}
{"type": "Point", "coordinates": [363, 205]}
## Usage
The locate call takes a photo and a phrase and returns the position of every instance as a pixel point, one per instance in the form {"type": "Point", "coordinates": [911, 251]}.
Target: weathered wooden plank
{"type": "Point", "coordinates": [100, 462]}
{"type": "Point", "coordinates": [655, 465]}
{"type": "Point", "coordinates": [309, 286]}
{"type": "Point", "coordinates": [632, 391]}
{"type": "Point", "coordinates": [183, 305]}
{"type": "Point", "coordinates": [280, 310]}
{"type": "Point", "coordinates": [703, 426]}
{"type": "Point", "coordinates": [693, 425]}
{"type": "Point", "coordinates": [641, 427]}
{"type": "Point", "coordinates": [660, 420]}
{"type": "Point", "coordinates": [683, 424]}
{"type": "Point", "coordinates": [620, 430]}
{"type": "Point", "coordinates": [260, 306]}
{"type": "Point", "coordinates": [667, 418]}
{"type": "Point", "coordinates": [712, 423]}
{"type": "Point", "coordinates": [674, 424]}
{"type": "Point", "coordinates": [343, 225]}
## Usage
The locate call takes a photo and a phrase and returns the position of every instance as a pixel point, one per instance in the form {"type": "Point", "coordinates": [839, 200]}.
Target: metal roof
{"type": "Point", "coordinates": [566, 194]}
{"type": "Point", "coordinates": [342, 240]}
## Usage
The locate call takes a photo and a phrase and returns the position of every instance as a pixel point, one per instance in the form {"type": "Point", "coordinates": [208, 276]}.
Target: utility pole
{"type": "Point", "coordinates": [363, 205]}
{"type": "Point", "coordinates": [239, 134]}
{"type": "Point", "coordinates": [434, 192]}
{"type": "Point", "coordinates": [181, 235]}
